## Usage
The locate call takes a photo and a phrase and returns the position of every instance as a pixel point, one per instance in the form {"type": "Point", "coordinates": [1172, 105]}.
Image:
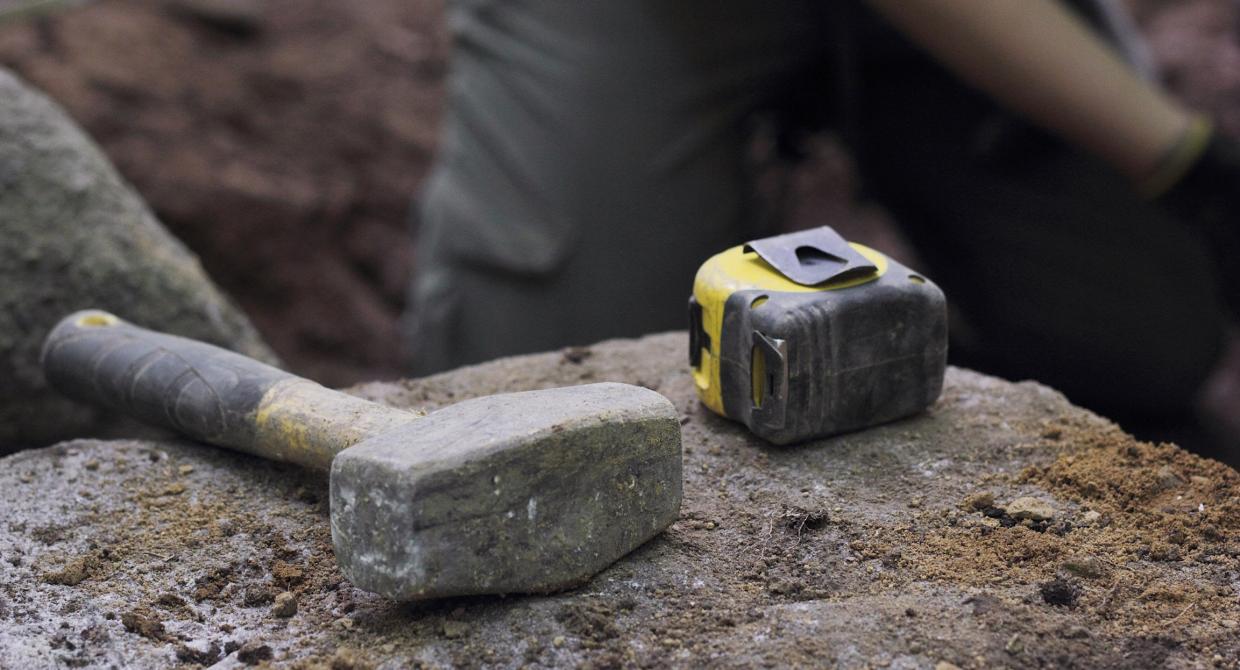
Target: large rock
{"type": "Point", "coordinates": [74, 235]}
{"type": "Point", "coordinates": [885, 548]}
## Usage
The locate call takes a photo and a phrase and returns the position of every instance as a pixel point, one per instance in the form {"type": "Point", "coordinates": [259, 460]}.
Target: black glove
{"type": "Point", "coordinates": [1207, 198]}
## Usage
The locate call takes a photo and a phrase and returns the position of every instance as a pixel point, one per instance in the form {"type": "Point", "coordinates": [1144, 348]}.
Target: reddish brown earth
{"type": "Point", "coordinates": [283, 139]}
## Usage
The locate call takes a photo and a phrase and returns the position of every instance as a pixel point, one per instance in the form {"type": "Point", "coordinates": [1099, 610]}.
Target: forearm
{"type": "Point", "coordinates": [1038, 59]}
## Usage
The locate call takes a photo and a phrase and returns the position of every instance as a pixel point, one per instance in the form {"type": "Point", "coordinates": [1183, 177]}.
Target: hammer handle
{"type": "Point", "coordinates": [205, 392]}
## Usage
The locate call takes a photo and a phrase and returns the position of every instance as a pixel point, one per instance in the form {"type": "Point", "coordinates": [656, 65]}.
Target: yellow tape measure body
{"type": "Point", "coordinates": [735, 270]}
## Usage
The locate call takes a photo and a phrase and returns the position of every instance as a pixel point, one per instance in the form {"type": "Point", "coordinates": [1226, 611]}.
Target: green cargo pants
{"type": "Point", "coordinates": [594, 155]}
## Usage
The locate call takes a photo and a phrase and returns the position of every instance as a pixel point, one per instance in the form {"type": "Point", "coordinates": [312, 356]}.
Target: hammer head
{"type": "Point", "coordinates": [515, 493]}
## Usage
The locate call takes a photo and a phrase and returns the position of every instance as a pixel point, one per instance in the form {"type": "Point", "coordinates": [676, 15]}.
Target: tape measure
{"type": "Point", "coordinates": [806, 335]}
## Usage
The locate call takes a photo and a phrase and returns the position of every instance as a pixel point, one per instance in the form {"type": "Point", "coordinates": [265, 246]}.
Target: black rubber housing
{"type": "Point", "coordinates": [194, 388]}
{"type": "Point", "coordinates": [852, 358]}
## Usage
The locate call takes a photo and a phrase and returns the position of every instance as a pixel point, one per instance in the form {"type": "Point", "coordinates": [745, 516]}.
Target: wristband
{"type": "Point", "coordinates": [1179, 160]}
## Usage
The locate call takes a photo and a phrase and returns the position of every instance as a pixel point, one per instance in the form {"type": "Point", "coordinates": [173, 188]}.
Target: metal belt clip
{"type": "Point", "coordinates": [812, 257]}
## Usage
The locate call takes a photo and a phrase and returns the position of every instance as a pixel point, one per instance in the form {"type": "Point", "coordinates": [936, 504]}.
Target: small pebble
{"type": "Point", "coordinates": [254, 652]}
{"type": "Point", "coordinates": [1084, 566]}
{"type": "Point", "coordinates": [1014, 645]}
{"type": "Point", "coordinates": [455, 629]}
{"type": "Point", "coordinates": [1030, 508]}
{"type": "Point", "coordinates": [1059, 592]}
{"type": "Point", "coordinates": [1168, 478]}
{"type": "Point", "coordinates": [978, 501]}
{"type": "Point", "coordinates": [201, 652]}
{"type": "Point", "coordinates": [285, 605]}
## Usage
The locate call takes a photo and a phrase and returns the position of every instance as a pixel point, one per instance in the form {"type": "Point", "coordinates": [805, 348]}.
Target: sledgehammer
{"type": "Point", "coordinates": [515, 493]}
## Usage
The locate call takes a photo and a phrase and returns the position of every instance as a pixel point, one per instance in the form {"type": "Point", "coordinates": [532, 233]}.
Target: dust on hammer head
{"type": "Point", "coordinates": [806, 335]}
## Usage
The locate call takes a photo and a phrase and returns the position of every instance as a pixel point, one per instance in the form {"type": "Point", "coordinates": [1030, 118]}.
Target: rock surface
{"type": "Point", "coordinates": [881, 548]}
{"type": "Point", "coordinates": [74, 235]}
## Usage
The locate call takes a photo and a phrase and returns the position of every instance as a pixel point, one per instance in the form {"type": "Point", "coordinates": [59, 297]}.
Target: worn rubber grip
{"type": "Point", "coordinates": [208, 393]}
{"type": "Point", "coordinates": [194, 388]}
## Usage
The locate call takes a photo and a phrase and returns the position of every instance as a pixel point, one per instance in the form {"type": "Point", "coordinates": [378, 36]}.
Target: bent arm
{"type": "Point", "coordinates": [1035, 57]}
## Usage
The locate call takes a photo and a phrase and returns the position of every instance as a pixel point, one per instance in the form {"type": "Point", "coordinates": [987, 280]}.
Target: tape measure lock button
{"type": "Point", "coordinates": [768, 375]}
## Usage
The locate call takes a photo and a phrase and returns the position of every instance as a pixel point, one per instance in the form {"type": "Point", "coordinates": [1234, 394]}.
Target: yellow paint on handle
{"type": "Point", "coordinates": [97, 320]}
{"type": "Point", "coordinates": [302, 422]}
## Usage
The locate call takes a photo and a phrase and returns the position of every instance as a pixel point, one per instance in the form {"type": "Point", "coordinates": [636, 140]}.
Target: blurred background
{"type": "Point", "coordinates": [283, 140]}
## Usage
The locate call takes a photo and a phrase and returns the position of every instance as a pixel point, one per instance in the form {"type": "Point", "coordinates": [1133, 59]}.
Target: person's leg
{"type": "Point", "coordinates": [593, 156]}
{"type": "Point", "coordinates": [1064, 274]}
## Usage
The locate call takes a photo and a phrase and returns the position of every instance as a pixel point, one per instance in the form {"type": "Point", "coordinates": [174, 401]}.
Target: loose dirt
{"type": "Point", "coordinates": [902, 546]}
